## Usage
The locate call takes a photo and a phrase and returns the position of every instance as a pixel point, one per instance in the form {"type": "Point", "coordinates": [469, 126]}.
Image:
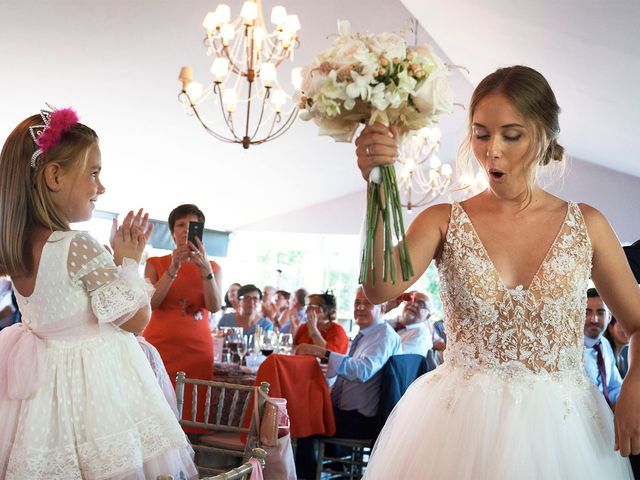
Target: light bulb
{"type": "Point", "coordinates": [220, 68]}
{"type": "Point", "coordinates": [278, 98]}
{"type": "Point", "coordinates": [210, 21]}
{"type": "Point", "coordinates": [465, 180]}
{"type": "Point", "coordinates": [186, 76]}
{"type": "Point", "coordinates": [258, 36]}
{"type": "Point", "coordinates": [249, 11]}
{"type": "Point", "coordinates": [267, 73]}
{"type": "Point", "coordinates": [446, 170]}
{"type": "Point", "coordinates": [229, 99]}
{"type": "Point", "coordinates": [227, 32]}
{"type": "Point", "coordinates": [296, 77]}
{"type": "Point", "coordinates": [433, 175]}
{"type": "Point", "coordinates": [292, 23]}
{"type": "Point", "coordinates": [278, 15]}
{"type": "Point", "coordinates": [435, 162]}
{"type": "Point", "coordinates": [424, 132]}
{"type": "Point", "coordinates": [435, 135]}
{"type": "Point", "coordinates": [223, 14]}
{"type": "Point", "coordinates": [194, 90]}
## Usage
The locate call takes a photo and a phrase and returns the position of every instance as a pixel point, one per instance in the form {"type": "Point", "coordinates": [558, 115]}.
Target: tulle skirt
{"type": "Point", "coordinates": [99, 414]}
{"type": "Point", "coordinates": [455, 423]}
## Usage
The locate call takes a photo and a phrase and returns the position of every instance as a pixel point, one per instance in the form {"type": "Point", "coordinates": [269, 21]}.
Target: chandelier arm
{"type": "Point", "coordinates": [285, 126]}
{"type": "Point", "coordinates": [259, 124]}
{"type": "Point", "coordinates": [208, 129]}
{"type": "Point", "coordinates": [218, 90]}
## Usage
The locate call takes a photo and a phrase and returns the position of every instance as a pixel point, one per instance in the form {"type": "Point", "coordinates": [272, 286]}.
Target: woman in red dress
{"type": "Point", "coordinates": [187, 288]}
{"type": "Point", "coordinates": [321, 328]}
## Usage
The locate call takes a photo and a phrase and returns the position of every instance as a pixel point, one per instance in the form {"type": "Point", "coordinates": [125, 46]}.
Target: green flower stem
{"type": "Point", "coordinates": [383, 203]}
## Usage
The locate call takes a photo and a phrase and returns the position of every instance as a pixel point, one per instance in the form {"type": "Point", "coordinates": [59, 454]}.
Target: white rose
{"type": "Point", "coordinates": [424, 54]}
{"type": "Point", "coordinates": [434, 96]}
{"type": "Point", "coordinates": [388, 44]}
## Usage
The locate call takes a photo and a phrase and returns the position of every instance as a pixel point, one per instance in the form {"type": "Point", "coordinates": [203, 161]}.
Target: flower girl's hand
{"type": "Point", "coordinates": [376, 145]}
{"type": "Point", "coordinates": [627, 417]}
{"type": "Point", "coordinates": [130, 238]}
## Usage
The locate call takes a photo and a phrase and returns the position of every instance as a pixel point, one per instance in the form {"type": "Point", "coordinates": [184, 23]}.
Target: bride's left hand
{"type": "Point", "coordinates": [627, 418]}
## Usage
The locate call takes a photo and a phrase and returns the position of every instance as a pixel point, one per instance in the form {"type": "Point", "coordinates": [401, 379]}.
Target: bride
{"type": "Point", "coordinates": [512, 400]}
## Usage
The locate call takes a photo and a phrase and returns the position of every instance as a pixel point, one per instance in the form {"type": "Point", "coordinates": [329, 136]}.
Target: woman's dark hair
{"type": "Point", "coordinates": [182, 211]}
{"type": "Point", "coordinates": [227, 300]}
{"type": "Point", "coordinates": [328, 303]}
{"type": "Point", "coordinates": [301, 295]}
{"type": "Point", "coordinates": [283, 293]}
{"type": "Point", "coordinates": [248, 288]}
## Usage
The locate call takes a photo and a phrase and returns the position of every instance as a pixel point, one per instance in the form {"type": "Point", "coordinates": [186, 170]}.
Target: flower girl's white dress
{"type": "Point", "coordinates": [512, 400]}
{"type": "Point", "coordinates": [78, 399]}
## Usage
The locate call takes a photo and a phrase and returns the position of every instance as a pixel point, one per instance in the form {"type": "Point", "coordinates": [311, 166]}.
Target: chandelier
{"type": "Point", "coordinates": [422, 175]}
{"type": "Point", "coordinates": [244, 68]}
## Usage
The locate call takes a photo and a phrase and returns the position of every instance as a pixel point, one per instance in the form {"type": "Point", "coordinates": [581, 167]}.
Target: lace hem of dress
{"type": "Point", "coordinates": [105, 457]}
{"type": "Point", "coordinates": [118, 301]}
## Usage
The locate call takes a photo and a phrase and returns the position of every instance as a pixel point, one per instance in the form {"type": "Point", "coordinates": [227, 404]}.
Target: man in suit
{"type": "Point", "coordinates": [600, 362]}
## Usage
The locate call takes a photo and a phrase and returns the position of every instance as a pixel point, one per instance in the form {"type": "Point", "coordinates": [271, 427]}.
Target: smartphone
{"type": "Point", "coordinates": [195, 230]}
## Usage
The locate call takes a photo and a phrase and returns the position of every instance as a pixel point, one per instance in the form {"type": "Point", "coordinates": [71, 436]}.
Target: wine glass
{"type": "Point", "coordinates": [269, 343]}
{"type": "Point", "coordinates": [286, 343]}
{"type": "Point", "coordinates": [242, 350]}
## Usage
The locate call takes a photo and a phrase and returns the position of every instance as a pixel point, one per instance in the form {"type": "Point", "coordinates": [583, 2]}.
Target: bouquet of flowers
{"type": "Point", "coordinates": [366, 78]}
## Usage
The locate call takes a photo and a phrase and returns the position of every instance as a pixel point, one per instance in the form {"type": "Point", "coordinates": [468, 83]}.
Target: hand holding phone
{"type": "Point", "coordinates": [195, 230]}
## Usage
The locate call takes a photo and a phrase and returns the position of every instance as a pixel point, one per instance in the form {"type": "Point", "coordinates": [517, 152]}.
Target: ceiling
{"type": "Point", "coordinates": [117, 63]}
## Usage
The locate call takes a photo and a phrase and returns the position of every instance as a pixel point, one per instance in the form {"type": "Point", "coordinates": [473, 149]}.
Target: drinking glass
{"type": "Point", "coordinates": [269, 343]}
{"type": "Point", "coordinates": [242, 350]}
{"type": "Point", "coordinates": [286, 343]}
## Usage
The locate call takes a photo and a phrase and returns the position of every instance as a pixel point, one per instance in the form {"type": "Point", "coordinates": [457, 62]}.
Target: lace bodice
{"type": "Point", "coordinates": [489, 326]}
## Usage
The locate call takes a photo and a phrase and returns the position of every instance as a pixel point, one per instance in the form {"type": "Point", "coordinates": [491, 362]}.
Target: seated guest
{"type": "Point", "coordinates": [321, 328]}
{"type": "Point", "coordinates": [250, 315]}
{"type": "Point", "coordinates": [413, 326]}
{"type": "Point", "coordinates": [600, 361]}
{"type": "Point", "coordinates": [269, 308]}
{"type": "Point", "coordinates": [296, 314]}
{"type": "Point", "coordinates": [439, 340]}
{"type": "Point", "coordinates": [356, 393]}
{"type": "Point", "coordinates": [282, 304]}
{"type": "Point", "coordinates": [620, 343]}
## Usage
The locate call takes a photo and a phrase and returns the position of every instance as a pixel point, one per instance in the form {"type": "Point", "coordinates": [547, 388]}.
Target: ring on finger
{"type": "Point", "coordinates": [367, 151]}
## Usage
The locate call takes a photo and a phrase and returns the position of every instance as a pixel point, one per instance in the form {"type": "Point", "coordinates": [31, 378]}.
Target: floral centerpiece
{"type": "Point", "coordinates": [366, 78]}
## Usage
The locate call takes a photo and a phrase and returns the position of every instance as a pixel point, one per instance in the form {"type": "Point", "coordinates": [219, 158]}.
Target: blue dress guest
{"type": "Point", "coordinates": [250, 316]}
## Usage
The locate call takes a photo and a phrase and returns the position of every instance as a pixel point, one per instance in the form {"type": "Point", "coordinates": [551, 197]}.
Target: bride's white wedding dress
{"type": "Point", "coordinates": [512, 400]}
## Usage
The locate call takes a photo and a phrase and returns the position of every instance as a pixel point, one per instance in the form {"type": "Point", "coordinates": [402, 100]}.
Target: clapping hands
{"type": "Point", "coordinates": [130, 238]}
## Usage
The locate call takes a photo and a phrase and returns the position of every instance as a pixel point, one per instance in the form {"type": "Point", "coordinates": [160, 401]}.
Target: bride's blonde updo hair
{"type": "Point", "coordinates": [532, 97]}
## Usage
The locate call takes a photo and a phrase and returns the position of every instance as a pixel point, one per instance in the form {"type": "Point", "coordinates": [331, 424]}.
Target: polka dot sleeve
{"type": "Point", "coordinates": [116, 293]}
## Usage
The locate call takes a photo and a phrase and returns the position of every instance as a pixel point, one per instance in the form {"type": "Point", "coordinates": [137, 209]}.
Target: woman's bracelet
{"type": "Point", "coordinates": [172, 277]}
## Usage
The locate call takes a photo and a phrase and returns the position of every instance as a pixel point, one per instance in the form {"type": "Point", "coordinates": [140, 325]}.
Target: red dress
{"type": "Point", "coordinates": [179, 328]}
{"type": "Point", "coordinates": [335, 336]}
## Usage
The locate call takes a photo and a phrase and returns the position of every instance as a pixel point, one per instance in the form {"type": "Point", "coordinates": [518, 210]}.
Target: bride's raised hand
{"type": "Point", "coordinates": [376, 145]}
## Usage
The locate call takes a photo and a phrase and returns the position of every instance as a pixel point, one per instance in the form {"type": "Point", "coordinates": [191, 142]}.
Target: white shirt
{"type": "Point", "coordinates": [415, 338]}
